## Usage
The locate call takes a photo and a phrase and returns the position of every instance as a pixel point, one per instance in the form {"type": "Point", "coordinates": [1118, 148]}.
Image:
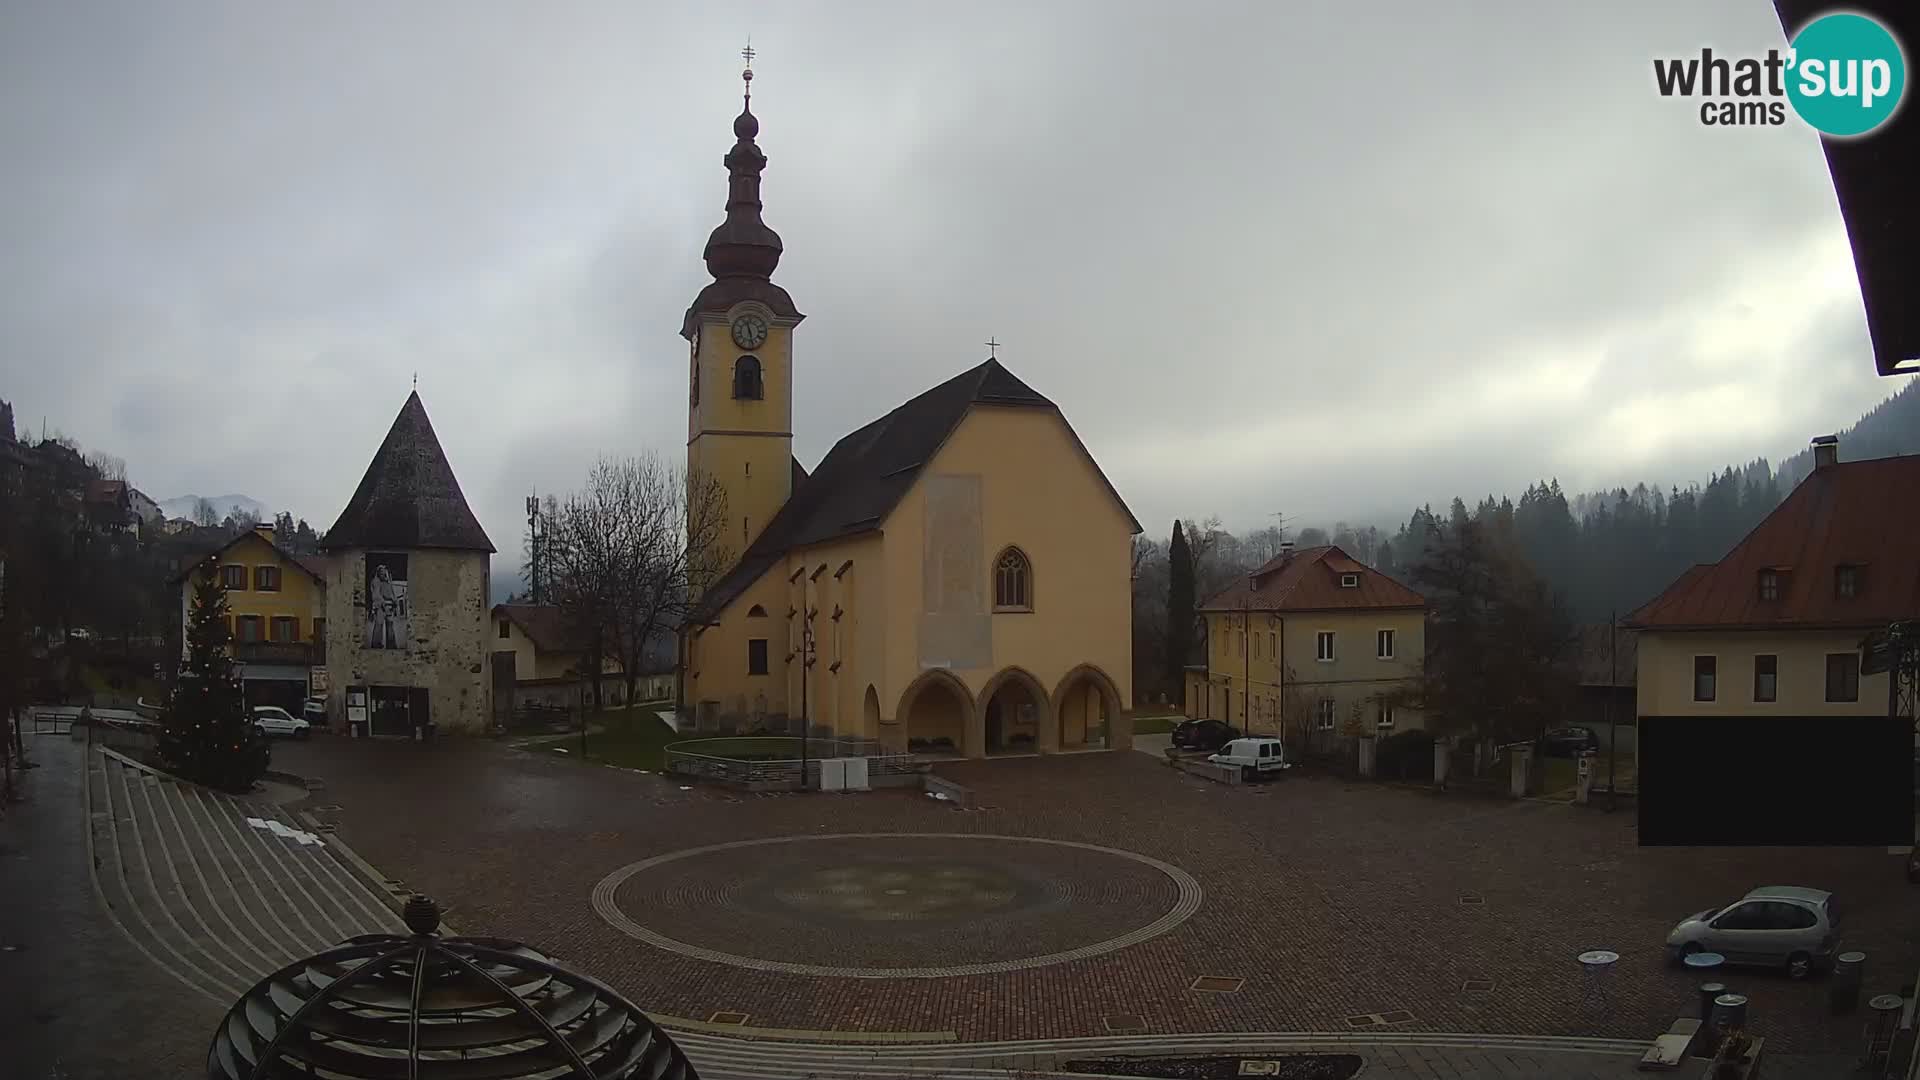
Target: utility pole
{"type": "Point", "coordinates": [533, 547]}
{"type": "Point", "coordinates": [1613, 725]}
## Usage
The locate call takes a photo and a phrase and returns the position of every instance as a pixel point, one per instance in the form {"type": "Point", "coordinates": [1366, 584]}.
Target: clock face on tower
{"type": "Point", "coordinates": [749, 331]}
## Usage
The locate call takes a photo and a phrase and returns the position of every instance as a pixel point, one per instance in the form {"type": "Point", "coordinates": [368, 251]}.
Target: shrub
{"type": "Point", "coordinates": [1405, 755]}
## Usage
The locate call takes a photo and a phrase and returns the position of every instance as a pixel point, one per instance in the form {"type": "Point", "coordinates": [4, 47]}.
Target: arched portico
{"type": "Point", "coordinates": [1013, 714]}
{"type": "Point", "coordinates": [937, 711]}
{"type": "Point", "coordinates": [1087, 712]}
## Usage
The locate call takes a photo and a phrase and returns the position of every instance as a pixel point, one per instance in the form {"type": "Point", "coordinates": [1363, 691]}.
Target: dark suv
{"type": "Point", "coordinates": [1208, 735]}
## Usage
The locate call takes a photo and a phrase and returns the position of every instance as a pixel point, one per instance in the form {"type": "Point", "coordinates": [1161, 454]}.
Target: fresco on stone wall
{"type": "Point", "coordinates": [387, 608]}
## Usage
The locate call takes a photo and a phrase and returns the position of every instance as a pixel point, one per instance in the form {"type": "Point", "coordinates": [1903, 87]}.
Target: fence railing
{"type": "Point", "coordinates": [773, 763]}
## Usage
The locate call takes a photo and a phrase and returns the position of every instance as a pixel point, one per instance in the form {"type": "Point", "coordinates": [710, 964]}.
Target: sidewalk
{"type": "Point", "coordinates": [76, 1000]}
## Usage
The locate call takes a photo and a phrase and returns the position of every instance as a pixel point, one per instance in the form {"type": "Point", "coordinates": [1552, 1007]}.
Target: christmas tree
{"type": "Point", "coordinates": [206, 736]}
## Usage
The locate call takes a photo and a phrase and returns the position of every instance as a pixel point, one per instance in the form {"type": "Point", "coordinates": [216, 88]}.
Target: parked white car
{"type": "Point", "coordinates": [274, 720]}
{"type": "Point", "coordinates": [1254, 757]}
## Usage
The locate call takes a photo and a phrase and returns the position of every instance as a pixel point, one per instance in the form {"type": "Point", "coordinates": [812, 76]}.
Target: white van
{"type": "Point", "coordinates": [1255, 757]}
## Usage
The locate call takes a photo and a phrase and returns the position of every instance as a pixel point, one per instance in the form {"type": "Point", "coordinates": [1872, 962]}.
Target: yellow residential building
{"type": "Point", "coordinates": [954, 577]}
{"type": "Point", "coordinates": [1775, 628]}
{"type": "Point", "coordinates": [1313, 646]}
{"type": "Point", "coordinates": [276, 615]}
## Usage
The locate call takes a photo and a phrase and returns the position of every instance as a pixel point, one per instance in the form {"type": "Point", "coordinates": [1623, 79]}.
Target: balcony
{"type": "Point", "coordinates": [300, 653]}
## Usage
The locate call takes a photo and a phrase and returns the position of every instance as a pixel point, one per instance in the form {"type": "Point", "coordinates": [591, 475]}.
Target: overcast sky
{"type": "Point", "coordinates": [1320, 258]}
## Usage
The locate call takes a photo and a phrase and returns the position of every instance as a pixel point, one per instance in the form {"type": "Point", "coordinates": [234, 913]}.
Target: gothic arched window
{"type": "Point", "coordinates": [746, 378]}
{"type": "Point", "coordinates": [756, 612]}
{"type": "Point", "coordinates": [1012, 581]}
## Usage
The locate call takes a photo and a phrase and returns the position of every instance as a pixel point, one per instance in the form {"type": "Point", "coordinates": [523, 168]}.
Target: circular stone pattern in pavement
{"type": "Point", "coordinates": [896, 905]}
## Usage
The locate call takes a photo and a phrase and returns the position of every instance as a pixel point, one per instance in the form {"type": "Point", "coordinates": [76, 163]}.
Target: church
{"type": "Point", "coordinates": [954, 578]}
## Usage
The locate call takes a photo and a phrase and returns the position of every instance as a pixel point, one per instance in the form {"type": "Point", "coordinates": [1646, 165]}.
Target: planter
{"type": "Point", "coordinates": [1743, 1065]}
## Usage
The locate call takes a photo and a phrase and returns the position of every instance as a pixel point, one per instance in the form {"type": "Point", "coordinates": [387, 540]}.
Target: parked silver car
{"type": "Point", "coordinates": [1779, 925]}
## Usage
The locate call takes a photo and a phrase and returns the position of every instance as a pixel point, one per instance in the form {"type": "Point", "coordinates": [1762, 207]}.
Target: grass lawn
{"type": "Point", "coordinates": [631, 737]}
{"type": "Point", "coordinates": [1156, 725]}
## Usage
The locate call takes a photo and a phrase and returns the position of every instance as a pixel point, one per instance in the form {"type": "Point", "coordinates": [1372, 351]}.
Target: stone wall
{"type": "Point", "coordinates": [447, 644]}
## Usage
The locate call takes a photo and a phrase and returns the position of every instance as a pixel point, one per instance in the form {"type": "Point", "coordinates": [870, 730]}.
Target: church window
{"type": "Point", "coordinates": [756, 612]}
{"type": "Point", "coordinates": [1012, 581]}
{"type": "Point", "coordinates": [757, 656]}
{"type": "Point", "coordinates": [746, 378]}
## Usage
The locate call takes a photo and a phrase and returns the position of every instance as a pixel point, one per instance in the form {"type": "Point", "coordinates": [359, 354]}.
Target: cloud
{"type": "Point", "coordinates": [1297, 257]}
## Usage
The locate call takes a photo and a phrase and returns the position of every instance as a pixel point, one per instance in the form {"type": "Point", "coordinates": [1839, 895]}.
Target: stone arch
{"type": "Point", "coordinates": [937, 711]}
{"type": "Point", "coordinates": [870, 714]}
{"type": "Point", "coordinates": [1003, 726]}
{"type": "Point", "coordinates": [1087, 711]}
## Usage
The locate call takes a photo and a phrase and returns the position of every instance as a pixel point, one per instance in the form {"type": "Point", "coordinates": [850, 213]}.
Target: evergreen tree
{"type": "Point", "coordinates": [1180, 614]}
{"type": "Point", "coordinates": [206, 736]}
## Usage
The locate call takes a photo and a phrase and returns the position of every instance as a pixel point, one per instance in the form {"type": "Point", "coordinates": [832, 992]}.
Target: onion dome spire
{"type": "Point", "coordinates": [743, 246]}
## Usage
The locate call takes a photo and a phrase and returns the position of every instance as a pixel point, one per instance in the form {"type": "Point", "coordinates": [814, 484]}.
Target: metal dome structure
{"type": "Point", "coordinates": [424, 1007]}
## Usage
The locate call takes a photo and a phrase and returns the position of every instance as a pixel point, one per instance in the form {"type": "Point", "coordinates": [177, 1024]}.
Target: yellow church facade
{"type": "Point", "coordinates": [953, 578]}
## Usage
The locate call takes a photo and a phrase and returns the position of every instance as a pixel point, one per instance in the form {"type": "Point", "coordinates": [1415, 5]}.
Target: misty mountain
{"type": "Point", "coordinates": [181, 506]}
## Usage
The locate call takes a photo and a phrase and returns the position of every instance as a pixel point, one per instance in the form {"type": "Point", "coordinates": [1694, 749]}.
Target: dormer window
{"type": "Point", "coordinates": [1846, 581]}
{"type": "Point", "coordinates": [1769, 585]}
{"type": "Point", "coordinates": [1349, 581]}
{"type": "Point", "coordinates": [746, 379]}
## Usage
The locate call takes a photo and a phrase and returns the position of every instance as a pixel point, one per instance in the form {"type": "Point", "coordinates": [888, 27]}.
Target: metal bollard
{"type": "Point", "coordinates": [1843, 995]}
{"type": "Point", "coordinates": [1730, 1012]}
{"type": "Point", "coordinates": [1709, 991]}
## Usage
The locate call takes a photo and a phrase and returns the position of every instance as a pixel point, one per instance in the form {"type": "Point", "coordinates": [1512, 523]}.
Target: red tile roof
{"type": "Point", "coordinates": [1862, 513]}
{"type": "Point", "coordinates": [1309, 580]}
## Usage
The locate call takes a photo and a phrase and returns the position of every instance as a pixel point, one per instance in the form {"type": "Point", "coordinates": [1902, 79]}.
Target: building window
{"type": "Point", "coordinates": [1323, 646]}
{"type": "Point", "coordinates": [757, 656]}
{"type": "Point", "coordinates": [1846, 582]}
{"type": "Point", "coordinates": [233, 578]}
{"type": "Point", "coordinates": [504, 632]}
{"type": "Point", "coordinates": [320, 631]}
{"type": "Point", "coordinates": [1273, 645]}
{"type": "Point", "coordinates": [284, 629]}
{"type": "Point", "coordinates": [266, 579]}
{"type": "Point", "coordinates": [1843, 676]}
{"type": "Point", "coordinates": [1769, 585]}
{"type": "Point", "coordinates": [1383, 644]}
{"type": "Point", "coordinates": [756, 612]}
{"type": "Point", "coordinates": [1703, 678]}
{"type": "Point", "coordinates": [1012, 582]}
{"type": "Point", "coordinates": [249, 628]}
{"type": "Point", "coordinates": [1766, 678]}
{"type": "Point", "coordinates": [1349, 581]}
{"type": "Point", "coordinates": [1384, 725]}
{"type": "Point", "coordinates": [1323, 714]}
{"type": "Point", "coordinates": [746, 379]}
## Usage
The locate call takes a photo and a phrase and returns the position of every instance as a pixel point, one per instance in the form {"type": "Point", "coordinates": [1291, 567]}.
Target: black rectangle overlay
{"type": "Point", "coordinates": [1776, 781]}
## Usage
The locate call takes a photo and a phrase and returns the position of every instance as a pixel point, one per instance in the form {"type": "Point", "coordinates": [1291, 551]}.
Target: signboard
{"type": "Point", "coordinates": [317, 681]}
{"type": "Point", "coordinates": [357, 706]}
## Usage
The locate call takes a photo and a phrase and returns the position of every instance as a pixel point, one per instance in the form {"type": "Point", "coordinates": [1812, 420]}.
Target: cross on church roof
{"type": "Point", "coordinates": [993, 349]}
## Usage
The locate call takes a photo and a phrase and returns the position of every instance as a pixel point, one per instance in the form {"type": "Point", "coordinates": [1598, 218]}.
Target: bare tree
{"type": "Point", "coordinates": [205, 514]}
{"type": "Point", "coordinates": [107, 466]}
{"type": "Point", "coordinates": [626, 556]}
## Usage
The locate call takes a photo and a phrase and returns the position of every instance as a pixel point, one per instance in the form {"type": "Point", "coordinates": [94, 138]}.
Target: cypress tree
{"type": "Point", "coordinates": [206, 736]}
{"type": "Point", "coordinates": [1180, 617]}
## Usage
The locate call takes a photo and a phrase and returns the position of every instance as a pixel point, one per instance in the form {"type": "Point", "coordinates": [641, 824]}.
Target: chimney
{"type": "Point", "coordinates": [264, 529]}
{"type": "Point", "coordinates": [1826, 451]}
{"type": "Point", "coordinates": [1286, 549]}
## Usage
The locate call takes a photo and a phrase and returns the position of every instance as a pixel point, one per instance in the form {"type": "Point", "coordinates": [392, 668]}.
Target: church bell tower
{"type": "Point", "coordinates": [740, 336]}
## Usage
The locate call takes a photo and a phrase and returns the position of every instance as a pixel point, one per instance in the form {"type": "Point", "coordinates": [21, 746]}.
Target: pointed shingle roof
{"type": "Point", "coordinates": [409, 497]}
{"type": "Point", "coordinates": [868, 472]}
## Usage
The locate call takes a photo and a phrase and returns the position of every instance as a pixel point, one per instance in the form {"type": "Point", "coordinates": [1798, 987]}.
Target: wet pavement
{"type": "Point", "coordinates": [77, 1000]}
